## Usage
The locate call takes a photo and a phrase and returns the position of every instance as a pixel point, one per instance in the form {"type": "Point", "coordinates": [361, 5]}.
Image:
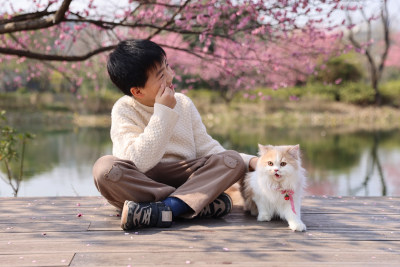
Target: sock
{"type": "Point", "coordinates": [178, 207]}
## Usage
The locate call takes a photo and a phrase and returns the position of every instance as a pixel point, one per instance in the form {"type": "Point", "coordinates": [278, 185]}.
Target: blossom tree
{"type": "Point", "coordinates": [233, 45]}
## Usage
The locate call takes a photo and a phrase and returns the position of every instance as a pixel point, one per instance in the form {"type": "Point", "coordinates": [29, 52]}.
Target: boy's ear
{"type": "Point", "coordinates": [136, 92]}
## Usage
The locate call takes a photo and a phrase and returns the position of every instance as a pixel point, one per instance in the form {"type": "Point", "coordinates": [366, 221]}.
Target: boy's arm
{"type": "Point", "coordinates": [144, 146]}
{"type": "Point", "coordinates": [253, 163]}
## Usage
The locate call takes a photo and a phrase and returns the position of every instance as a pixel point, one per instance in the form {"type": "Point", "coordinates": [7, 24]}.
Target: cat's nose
{"type": "Point", "coordinates": [276, 170]}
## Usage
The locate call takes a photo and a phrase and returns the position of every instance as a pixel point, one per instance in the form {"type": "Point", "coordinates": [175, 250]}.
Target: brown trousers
{"type": "Point", "coordinates": [197, 182]}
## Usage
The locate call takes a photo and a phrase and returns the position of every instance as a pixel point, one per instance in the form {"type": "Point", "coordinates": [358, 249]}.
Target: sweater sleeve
{"type": "Point", "coordinates": [145, 147]}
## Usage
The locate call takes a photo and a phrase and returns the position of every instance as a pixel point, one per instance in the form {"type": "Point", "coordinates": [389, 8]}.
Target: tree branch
{"type": "Point", "coordinates": [170, 21]}
{"type": "Point", "coordinates": [358, 45]}
{"type": "Point", "coordinates": [40, 22]}
{"type": "Point", "coordinates": [61, 11]}
{"type": "Point", "coordinates": [41, 56]}
{"type": "Point", "coordinates": [386, 34]}
{"type": "Point", "coordinates": [27, 16]}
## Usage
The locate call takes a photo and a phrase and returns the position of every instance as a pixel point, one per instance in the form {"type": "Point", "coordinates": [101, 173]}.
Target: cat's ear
{"type": "Point", "coordinates": [263, 149]}
{"type": "Point", "coordinates": [294, 151]}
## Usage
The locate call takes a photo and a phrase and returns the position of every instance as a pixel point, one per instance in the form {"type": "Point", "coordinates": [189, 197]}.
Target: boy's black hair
{"type": "Point", "coordinates": [129, 64]}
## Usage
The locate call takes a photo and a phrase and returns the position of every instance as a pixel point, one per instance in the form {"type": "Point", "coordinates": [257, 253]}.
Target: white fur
{"type": "Point", "coordinates": [267, 190]}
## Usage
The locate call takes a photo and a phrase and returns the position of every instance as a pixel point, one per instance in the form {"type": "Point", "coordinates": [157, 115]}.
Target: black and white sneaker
{"type": "Point", "coordinates": [220, 207]}
{"type": "Point", "coordinates": [150, 214]}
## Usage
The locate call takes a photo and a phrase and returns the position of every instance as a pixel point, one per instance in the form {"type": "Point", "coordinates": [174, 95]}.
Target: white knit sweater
{"type": "Point", "coordinates": [149, 135]}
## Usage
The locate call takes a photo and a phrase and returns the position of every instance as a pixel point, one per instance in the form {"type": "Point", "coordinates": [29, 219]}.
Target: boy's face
{"type": "Point", "coordinates": [158, 79]}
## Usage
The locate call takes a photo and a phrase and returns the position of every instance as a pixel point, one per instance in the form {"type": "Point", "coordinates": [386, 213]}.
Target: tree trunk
{"type": "Point", "coordinates": [375, 86]}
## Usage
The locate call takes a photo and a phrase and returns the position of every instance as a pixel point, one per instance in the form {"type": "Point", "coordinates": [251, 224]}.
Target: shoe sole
{"type": "Point", "coordinates": [124, 214]}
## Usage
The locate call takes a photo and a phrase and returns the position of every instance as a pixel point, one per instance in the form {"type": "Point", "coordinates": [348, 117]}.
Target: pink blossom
{"type": "Point", "coordinates": [256, 49]}
{"type": "Point", "coordinates": [338, 81]}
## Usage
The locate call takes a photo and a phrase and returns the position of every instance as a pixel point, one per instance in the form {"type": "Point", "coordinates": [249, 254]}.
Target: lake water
{"type": "Point", "coordinates": [59, 163]}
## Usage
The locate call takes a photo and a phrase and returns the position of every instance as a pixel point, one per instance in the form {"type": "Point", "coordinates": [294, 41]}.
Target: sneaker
{"type": "Point", "coordinates": [150, 214]}
{"type": "Point", "coordinates": [220, 207]}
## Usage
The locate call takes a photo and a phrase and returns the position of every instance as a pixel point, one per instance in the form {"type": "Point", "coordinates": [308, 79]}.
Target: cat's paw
{"type": "Point", "coordinates": [297, 226]}
{"type": "Point", "coordinates": [263, 217]}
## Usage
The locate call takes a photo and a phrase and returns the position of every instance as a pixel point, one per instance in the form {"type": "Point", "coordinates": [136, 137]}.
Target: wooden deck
{"type": "Point", "coordinates": [84, 231]}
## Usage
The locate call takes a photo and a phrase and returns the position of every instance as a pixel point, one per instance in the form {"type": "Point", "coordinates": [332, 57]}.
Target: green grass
{"type": "Point", "coordinates": [358, 93]}
{"type": "Point", "coordinates": [92, 103]}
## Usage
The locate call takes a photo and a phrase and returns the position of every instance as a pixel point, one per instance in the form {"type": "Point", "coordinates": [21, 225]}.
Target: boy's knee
{"type": "Point", "coordinates": [233, 160]}
{"type": "Point", "coordinates": [105, 170]}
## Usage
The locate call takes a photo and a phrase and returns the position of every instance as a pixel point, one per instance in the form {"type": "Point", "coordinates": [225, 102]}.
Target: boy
{"type": "Point", "coordinates": [164, 164]}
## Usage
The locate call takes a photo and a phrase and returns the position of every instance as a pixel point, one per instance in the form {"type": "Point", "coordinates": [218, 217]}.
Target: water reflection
{"type": "Point", "coordinates": [374, 164]}
{"type": "Point", "coordinates": [58, 163]}
{"type": "Point", "coordinates": [346, 164]}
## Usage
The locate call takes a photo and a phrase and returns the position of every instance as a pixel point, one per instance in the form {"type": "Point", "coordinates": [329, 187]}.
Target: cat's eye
{"type": "Point", "coordinates": [283, 164]}
{"type": "Point", "coordinates": [270, 163]}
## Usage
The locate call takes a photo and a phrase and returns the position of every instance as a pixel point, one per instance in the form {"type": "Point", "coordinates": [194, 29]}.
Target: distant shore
{"type": "Point", "coordinates": [217, 115]}
{"type": "Point", "coordinates": [335, 116]}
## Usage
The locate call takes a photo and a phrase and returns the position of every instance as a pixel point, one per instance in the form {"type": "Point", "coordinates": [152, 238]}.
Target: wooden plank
{"type": "Point", "coordinates": [43, 259]}
{"type": "Point", "coordinates": [145, 246]}
{"type": "Point", "coordinates": [108, 211]}
{"type": "Point", "coordinates": [369, 205]}
{"type": "Point", "coordinates": [176, 244]}
{"type": "Point", "coordinates": [346, 231]}
{"type": "Point", "coordinates": [45, 203]}
{"type": "Point", "coordinates": [67, 209]}
{"type": "Point", "coordinates": [24, 200]}
{"type": "Point", "coordinates": [316, 204]}
{"type": "Point", "coordinates": [313, 221]}
{"type": "Point", "coordinates": [242, 258]}
{"type": "Point", "coordinates": [44, 227]}
{"type": "Point", "coordinates": [108, 221]}
{"type": "Point", "coordinates": [76, 216]}
{"type": "Point", "coordinates": [152, 234]}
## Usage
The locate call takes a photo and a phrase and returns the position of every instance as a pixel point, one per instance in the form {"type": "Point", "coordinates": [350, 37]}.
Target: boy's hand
{"type": "Point", "coordinates": [166, 96]}
{"type": "Point", "coordinates": [253, 164]}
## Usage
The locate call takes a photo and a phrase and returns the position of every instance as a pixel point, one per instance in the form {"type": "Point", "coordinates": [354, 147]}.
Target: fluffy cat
{"type": "Point", "coordinates": [276, 186]}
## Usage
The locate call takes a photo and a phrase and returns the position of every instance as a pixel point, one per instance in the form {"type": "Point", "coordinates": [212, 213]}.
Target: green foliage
{"type": "Point", "coordinates": [10, 142]}
{"type": "Point", "coordinates": [56, 81]}
{"type": "Point", "coordinates": [344, 67]}
{"type": "Point", "coordinates": [357, 93]}
{"type": "Point", "coordinates": [391, 93]}
{"type": "Point", "coordinates": [391, 73]}
{"type": "Point", "coordinates": [207, 95]}
{"type": "Point", "coordinates": [93, 102]}
{"type": "Point", "coordinates": [324, 91]}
